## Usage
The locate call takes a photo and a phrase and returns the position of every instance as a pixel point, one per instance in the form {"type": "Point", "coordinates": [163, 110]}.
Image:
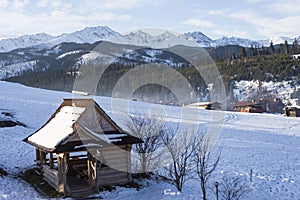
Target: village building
{"type": "Point", "coordinates": [249, 106]}
{"type": "Point", "coordinates": [272, 105]}
{"type": "Point", "coordinates": [206, 105]}
{"type": "Point", "coordinates": [296, 56]}
{"type": "Point", "coordinates": [291, 111]}
{"type": "Point", "coordinates": [81, 149]}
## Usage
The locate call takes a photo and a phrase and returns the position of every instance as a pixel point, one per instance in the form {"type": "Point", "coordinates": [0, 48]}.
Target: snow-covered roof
{"type": "Point", "coordinates": [297, 107]}
{"type": "Point", "coordinates": [198, 104]}
{"type": "Point", "coordinates": [79, 116]}
{"type": "Point", "coordinates": [60, 126]}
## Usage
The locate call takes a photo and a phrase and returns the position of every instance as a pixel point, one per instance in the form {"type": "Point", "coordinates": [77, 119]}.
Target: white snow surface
{"type": "Point", "coordinates": [58, 127]}
{"type": "Point", "coordinates": [268, 144]}
{"type": "Point", "coordinates": [68, 54]}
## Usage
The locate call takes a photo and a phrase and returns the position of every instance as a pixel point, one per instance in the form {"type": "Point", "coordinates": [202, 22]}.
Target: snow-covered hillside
{"type": "Point", "coordinates": [24, 41]}
{"type": "Point", "coordinates": [16, 69]}
{"type": "Point", "coordinates": [267, 144]}
{"type": "Point", "coordinates": [248, 90]}
{"type": "Point", "coordinates": [205, 41]}
{"type": "Point", "coordinates": [237, 41]}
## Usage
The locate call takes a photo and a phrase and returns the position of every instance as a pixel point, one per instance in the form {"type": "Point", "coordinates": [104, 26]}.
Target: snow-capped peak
{"type": "Point", "coordinates": [24, 41]}
{"type": "Point", "coordinates": [198, 37]}
{"type": "Point", "coordinates": [236, 41]}
{"type": "Point", "coordinates": [86, 35]}
{"type": "Point", "coordinates": [156, 38]}
{"type": "Point", "coordinates": [163, 40]}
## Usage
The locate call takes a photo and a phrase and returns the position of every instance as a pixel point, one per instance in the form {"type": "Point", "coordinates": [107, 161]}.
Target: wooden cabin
{"type": "Point", "coordinates": [273, 105]}
{"type": "Point", "coordinates": [291, 111]}
{"type": "Point", "coordinates": [206, 105]}
{"type": "Point", "coordinates": [81, 149]}
{"type": "Point", "coordinates": [249, 106]}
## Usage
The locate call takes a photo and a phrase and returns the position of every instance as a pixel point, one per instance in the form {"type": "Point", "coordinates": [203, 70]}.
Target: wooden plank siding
{"type": "Point", "coordinates": [115, 157]}
{"type": "Point", "coordinates": [108, 176]}
{"type": "Point", "coordinates": [51, 176]}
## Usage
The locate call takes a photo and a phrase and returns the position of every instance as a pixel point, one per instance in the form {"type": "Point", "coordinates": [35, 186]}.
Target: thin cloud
{"type": "Point", "coordinates": [19, 5]}
{"type": "Point", "coordinates": [230, 33]}
{"type": "Point", "coordinates": [199, 23]}
{"type": "Point", "coordinates": [215, 12]}
{"type": "Point", "coordinates": [4, 3]}
{"type": "Point", "coordinates": [254, 1]}
{"type": "Point", "coordinates": [287, 7]}
{"type": "Point", "coordinates": [116, 4]}
{"type": "Point", "coordinates": [269, 26]}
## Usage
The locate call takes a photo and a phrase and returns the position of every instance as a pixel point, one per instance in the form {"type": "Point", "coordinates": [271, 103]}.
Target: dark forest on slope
{"type": "Point", "coordinates": [273, 63]}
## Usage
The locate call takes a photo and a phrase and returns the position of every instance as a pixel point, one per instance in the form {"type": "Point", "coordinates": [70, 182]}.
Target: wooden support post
{"type": "Point", "coordinates": [128, 150]}
{"type": "Point", "coordinates": [60, 174]}
{"type": "Point", "coordinates": [89, 168]}
{"type": "Point", "coordinates": [37, 154]}
{"type": "Point", "coordinates": [51, 161]}
{"type": "Point", "coordinates": [96, 173]}
{"type": "Point", "coordinates": [43, 157]}
{"type": "Point", "coordinates": [65, 174]}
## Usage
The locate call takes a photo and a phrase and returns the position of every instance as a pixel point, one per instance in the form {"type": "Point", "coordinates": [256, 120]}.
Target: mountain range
{"type": "Point", "coordinates": [139, 38]}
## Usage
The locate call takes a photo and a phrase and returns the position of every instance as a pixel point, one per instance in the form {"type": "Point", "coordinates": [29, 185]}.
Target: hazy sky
{"type": "Point", "coordinates": [254, 19]}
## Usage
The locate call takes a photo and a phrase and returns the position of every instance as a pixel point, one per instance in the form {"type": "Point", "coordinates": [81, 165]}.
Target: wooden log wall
{"type": "Point", "coordinates": [117, 163]}
{"type": "Point", "coordinates": [51, 176]}
{"type": "Point", "coordinates": [108, 176]}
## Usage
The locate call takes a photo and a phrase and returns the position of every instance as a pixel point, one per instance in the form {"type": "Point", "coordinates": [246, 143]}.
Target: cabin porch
{"type": "Point", "coordinates": [70, 173]}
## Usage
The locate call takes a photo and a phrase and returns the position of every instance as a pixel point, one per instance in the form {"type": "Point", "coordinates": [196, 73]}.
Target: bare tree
{"type": "Point", "coordinates": [147, 129]}
{"type": "Point", "coordinates": [180, 148]}
{"type": "Point", "coordinates": [205, 163]}
{"type": "Point", "coordinates": [233, 188]}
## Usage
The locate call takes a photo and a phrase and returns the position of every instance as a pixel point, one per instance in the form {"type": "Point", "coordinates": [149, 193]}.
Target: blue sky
{"type": "Point", "coordinates": [254, 19]}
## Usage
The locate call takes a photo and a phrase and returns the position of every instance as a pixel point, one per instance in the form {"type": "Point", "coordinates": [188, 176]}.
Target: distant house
{"type": "Point", "coordinates": [273, 105]}
{"type": "Point", "coordinates": [249, 106]}
{"type": "Point", "coordinates": [206, 105]}
{"type": "Point", "coordinates": [81, 149]}
{"type": "Point", "coordinates": [291, 111]}
{"type": "Point", "coordinates": [296, 56]}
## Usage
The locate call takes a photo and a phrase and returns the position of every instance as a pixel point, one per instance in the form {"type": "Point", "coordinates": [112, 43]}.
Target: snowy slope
{"type": "Point", "coordinates": [267, 144]}
{"type": "Point", "coordinates": [24, 41]}
{"type": "Point", "coordinates": [235, 41]}
{"type": "Point", "coordinates": [247, 90]}
{"type": "Point", "coordinates": [16, 69]}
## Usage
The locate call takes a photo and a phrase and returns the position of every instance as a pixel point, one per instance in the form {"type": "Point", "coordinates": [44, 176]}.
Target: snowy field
{"type": "Point", "coordinates": [268, 144]}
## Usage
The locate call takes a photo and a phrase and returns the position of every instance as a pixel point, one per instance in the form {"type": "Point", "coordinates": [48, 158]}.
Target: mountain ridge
{"type": "Point", "coordinates": [140, 38]}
